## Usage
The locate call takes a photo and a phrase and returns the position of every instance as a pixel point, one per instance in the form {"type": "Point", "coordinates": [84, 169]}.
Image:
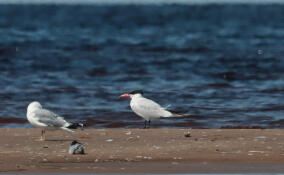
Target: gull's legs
{"type": "Point", "coordinates": [42, 138]}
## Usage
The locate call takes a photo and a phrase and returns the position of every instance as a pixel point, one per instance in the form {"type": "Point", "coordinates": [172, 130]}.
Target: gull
{"type": "Point", "coordinates": [45, 119]}
{"type": "Point", "coordinates": [146, 108]}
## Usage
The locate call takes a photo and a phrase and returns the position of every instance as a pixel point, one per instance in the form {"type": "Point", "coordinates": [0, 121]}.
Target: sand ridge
{"type": "Point", "coordinates": [144, 151]}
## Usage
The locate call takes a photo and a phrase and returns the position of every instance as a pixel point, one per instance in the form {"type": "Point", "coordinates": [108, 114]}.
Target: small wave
{"type": "Point", "coordinates": [169, 62]}
{"type": "Point", "coordinates": [277, 123]}
{"type": "Point", "coordinates": [90, 47]}
{"type": "Point", "coordinates": [176, 50]}
{"type": "Point", "coordinates": [230, 76]}
{"type": "Point", "coordinates": [218, 85]}
{"type": "Point", "coordinates": [273, 90]}
{"type": "Point", "coordinates": [145, 2]}
{"type": "Point", "coordinates": [97, 72]}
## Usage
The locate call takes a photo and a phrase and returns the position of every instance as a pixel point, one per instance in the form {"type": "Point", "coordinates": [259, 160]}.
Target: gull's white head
{"type": "Point", "coordinates": [136, 93]}
{"type": "Point", "coordinates": [33, 106]}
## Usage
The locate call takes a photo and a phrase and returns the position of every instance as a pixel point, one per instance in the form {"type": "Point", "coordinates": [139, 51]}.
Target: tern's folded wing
{"type": "Point", "coordinates": [149, 108]}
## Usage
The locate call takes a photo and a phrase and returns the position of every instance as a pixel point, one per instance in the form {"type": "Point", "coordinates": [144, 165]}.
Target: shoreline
{"type": "Point", "coordinates": [143, 151]}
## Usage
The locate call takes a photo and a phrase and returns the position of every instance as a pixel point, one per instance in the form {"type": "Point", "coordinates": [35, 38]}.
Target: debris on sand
{"type": "Point", "coordinates": [188, 134]}
{"type": "Point", "coordinates": [76, 148]}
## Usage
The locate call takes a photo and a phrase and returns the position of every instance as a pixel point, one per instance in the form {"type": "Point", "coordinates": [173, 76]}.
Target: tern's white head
{"type": "Point", "coordinates": [33, 106]}
{"type": "Point", "coordinates": [136, 93]}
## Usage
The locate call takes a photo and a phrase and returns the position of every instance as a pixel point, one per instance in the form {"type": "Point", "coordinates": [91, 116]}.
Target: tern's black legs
{"type": "Point", "coordinates": [145, 124]}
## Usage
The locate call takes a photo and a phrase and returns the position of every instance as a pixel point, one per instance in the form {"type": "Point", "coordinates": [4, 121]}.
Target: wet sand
{"type": "Point", "coordinates": [144, 151]}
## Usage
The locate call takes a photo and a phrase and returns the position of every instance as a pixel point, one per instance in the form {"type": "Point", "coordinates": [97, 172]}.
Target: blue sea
{"type": "Point", "coordinates": [159, 174]}
{"type": "Point", "coordinates": [221, 63]}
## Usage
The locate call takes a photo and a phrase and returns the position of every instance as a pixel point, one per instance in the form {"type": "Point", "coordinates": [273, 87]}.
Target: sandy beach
{"type": "Point", "coordinates": [144, 151]}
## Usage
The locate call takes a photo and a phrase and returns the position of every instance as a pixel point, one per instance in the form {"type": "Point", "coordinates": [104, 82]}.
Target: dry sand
{"type": "Point", "coordinates": [144, 151]}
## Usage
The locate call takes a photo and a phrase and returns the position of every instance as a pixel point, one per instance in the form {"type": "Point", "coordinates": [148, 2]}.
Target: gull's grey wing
{"type": "Point", "coordinates": [49, 118]}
